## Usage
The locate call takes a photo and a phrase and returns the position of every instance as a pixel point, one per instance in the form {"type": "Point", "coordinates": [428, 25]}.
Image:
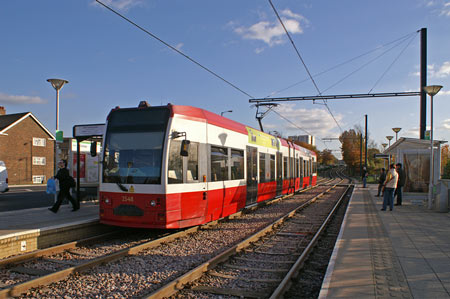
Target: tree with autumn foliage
{"type": "Point", "coordinates": [350, 141]}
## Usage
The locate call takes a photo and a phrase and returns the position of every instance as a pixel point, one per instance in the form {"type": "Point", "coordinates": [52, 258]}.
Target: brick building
{"type": "Point", "coordinates": [26, 147]}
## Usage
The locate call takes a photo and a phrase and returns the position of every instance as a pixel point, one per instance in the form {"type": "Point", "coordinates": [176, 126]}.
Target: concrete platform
{"type": "Point", "coordinates": [404, 253]}
{"type": "Point", "coordinates": [27, 230]}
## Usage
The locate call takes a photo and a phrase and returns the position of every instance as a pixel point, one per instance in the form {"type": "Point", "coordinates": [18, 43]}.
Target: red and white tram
{"type": "Point", "coordinates": [178, 166]}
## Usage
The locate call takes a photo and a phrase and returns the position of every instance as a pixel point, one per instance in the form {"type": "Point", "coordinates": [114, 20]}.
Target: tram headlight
{"type": "Point", "coordinates": [107, 201]}
{"type": "Point", "coordinates": [153, 203]}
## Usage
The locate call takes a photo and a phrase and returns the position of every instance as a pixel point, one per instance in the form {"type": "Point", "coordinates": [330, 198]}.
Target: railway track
{"type": "Point", "coordinates": [59, 270]}
{"type": "Point", "coordinates": [261, 266]}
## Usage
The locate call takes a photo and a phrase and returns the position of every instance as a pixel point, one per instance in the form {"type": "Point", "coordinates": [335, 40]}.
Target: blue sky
{"type": "Point", "coordinates": [109, 63]}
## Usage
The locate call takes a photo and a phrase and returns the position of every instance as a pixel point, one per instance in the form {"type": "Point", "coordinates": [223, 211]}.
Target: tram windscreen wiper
{"type": "Point", "coordinates": [122, 187]}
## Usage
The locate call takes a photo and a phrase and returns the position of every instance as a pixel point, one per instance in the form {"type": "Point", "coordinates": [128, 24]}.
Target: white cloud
{"type": "Point", "coordinates": [435, 71]}
{"type": "Point", "coordinates": [122, 5]}
{"type": "Point", "coordinates": [411, 132]}
{"type": "Point", "coordinates": [179, 46]}
{"type": "Point", "coordinates": [443, 71]}
{"type": "Point", "coordinates": [445, 124]}
{"type": "Point", "coordinates": [445, 11]}
{"type": "Point", "coordinates": [272, 33]}
{"type": "Point", "coordinates": [318, 122]}
{"type": "Point", "coordinates": [16, 100]}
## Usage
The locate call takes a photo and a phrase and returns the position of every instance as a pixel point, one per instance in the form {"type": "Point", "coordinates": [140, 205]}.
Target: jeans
{"type": "Point", "coordinates": [364, 182]}
{"type": "Point", "coordinates": [388, 198]}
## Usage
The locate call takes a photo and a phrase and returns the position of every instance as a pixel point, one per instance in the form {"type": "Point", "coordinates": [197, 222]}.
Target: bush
{"type": "Point", "coordinates": [446, 174]}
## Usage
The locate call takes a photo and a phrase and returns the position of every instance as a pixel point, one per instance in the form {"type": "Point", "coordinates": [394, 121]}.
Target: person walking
{"type": "Point", "coordinates": [381, 181]}
{"type": "Point", "coordinates": [389, 187]}
{"type": "Point", "coordinates": [400, 184]}
{"type": "Point", "coordinates": [364, 177]}
{"type": "Point", "coordinates": [65, 182]}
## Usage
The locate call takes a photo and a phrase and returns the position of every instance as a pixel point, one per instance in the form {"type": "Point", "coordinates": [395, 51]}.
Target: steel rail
{"type": "Point", "coordinates": [17, 289]}
{"type": "Point", "coordinates": [20, 288]}
{"type": "Point", "coordinates": [177, 284]}
{"type": "Point", "coordinates": [285, 283]}
{"type": "Point", "coordinates": [26, 257]}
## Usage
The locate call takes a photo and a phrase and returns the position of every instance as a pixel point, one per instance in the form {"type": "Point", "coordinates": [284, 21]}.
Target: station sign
{"type": "Point", "coordinates": [88, 130]}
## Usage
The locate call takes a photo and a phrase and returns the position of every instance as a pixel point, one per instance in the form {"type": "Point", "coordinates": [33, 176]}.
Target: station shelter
{"type": "Point", "coordinates": [415, 156]}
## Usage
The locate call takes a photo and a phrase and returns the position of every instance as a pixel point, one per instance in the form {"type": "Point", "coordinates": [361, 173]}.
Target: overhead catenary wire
{"type": "Point", "coordinates": [298, 127]}
{"type": "Point", "coordinates": [174, 49]}
{"type": "Point", "coordinates": [303, 62]}
{"type": "Point", "coordinates": [363, 66]}
{"type": "Point", "coordinates": [399, 41]}
{"type": "Point", "coordinates": [393, 62]}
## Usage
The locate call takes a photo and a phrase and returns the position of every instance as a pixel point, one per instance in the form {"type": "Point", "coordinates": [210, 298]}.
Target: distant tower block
{"type": "Point", "coordinates": [304, 138]}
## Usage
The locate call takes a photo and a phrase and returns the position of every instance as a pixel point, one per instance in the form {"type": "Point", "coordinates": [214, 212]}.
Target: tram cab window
{"type": "Point", "coordinates": [219, 164]}
{"type": "Point", "coordinates": [182, 169]}
{"type": "Point", "coordinates": [237, 164]}
{"type": "Point", "coordinates": [175, 167]}
{"type": "Point", "coordinates": [272, 168]}
{"type": "Point", "coordinates": [192, 163]}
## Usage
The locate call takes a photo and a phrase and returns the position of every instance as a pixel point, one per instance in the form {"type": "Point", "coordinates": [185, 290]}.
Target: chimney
{"type": "Point", "coordinates": [2, 110]}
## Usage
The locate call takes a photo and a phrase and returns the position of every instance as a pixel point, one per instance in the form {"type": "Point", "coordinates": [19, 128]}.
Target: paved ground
{"type": "Point", "coordinates": [401, 254]}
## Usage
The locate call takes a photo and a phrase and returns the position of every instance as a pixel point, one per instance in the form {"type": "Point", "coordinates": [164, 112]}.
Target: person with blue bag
{"type": "Point", "coordinates": [65, 183]}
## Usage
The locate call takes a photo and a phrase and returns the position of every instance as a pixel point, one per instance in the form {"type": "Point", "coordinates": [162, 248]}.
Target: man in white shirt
{"type": "Point", "coordinates": [389, 188]}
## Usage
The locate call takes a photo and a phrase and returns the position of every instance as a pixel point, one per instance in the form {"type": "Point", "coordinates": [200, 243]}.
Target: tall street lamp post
{"type": "Point", "coordinates": [431, 90]}
{"type": "Point", "coordinates": [57, 85]}
{"type": "Point", "coordinates": [396, 130]}
{"type": "Point", "coordinates": [389, 138]}
{"type": "Point", "coordinates": [384, 160]}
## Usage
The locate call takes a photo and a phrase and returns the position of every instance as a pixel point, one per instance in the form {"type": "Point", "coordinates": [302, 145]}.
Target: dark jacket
{"type": "Point", "coordinates": [401, 178]}
{"type": "Point", "coordinates": [382, 178]}
{"type": "Point", "coordinates": [63, 177]}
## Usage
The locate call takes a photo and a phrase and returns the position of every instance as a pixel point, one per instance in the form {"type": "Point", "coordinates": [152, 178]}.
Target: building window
{"type": "Point", "coordinates": [39, 161]}
{"type": "Point", "coordinates": [39, 141]}
{"type": "Point", "coordinates": [38, 179]}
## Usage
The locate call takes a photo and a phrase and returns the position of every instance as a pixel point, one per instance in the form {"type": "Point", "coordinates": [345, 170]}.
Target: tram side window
{"type": "Point", "coordinates": [291, 167]}
{"type": "Point", "coordinates": [262, 167]}
{"type": "Point", "coordinates": [237, 164]}
{"type": "Point", "coordinates": [219, 164]}
{"type": "Point", "coordinates": [297, 174]}
{"type": "Point", "coordinates": [175, 165]}
{"type": "Point", "coordinates": [279, 166]}
{"type": "Point", "coordinates": [192, 163]}
{"type": "Point", "coordinates": [285, 166]}
{"type": "Point", "coordinates": [272, 167]}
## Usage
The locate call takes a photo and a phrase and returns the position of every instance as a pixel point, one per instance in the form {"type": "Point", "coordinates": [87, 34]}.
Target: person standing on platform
{"type": "Point", "coordinates": [400, 184]}
{"type": "Point", "coordinates": [389, 188]}
{"type": "Point", "coordinates": [65, 182]}
{"type": "Point", "coordinates": [364, 175]}
{"type": "Point", "coordinates": [381, 181]}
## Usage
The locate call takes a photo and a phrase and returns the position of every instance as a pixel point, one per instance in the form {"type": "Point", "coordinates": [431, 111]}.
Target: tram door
{"type": "Point", "coordinates": [279, 173]}
{"type": "Point", "coordinates": [252, 175]}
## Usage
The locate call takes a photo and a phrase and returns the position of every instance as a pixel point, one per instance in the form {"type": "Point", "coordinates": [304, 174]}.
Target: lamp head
{"type": "Point", "coordinates": [396, 130]}
{"type": "Point", "coordinates": [389, 137]}
{"type": "Point", "coordinates": [432, 90]}
{"type": "Point", "coordinates": [57, 83]}
{"type": "Point", "coordinates": [384, 145]}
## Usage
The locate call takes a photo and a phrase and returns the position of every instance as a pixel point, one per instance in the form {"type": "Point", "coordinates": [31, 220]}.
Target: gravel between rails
{"type": "Point", "coordinates": [270, 253]}
{"type": "Point", "coordinates": [59, 261]}
{"type": "Point", "coordinates": [142, 273]}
